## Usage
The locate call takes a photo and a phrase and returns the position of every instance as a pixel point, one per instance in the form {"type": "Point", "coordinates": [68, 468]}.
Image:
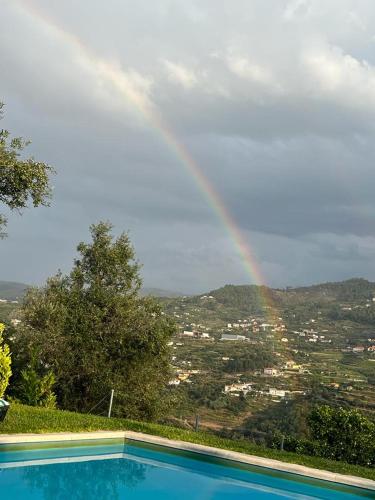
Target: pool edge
{"type": "Point", "coordinates": [195, 448]}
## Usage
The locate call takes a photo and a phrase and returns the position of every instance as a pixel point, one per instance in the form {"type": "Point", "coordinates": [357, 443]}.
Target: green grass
{"type": "Point", "coordinates": [26, 419]}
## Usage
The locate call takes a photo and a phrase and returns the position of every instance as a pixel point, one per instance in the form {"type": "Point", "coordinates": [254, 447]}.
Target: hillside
{"type": "Point", "coordinates": [160, 292]}
{"type": "Point", "coordinates": [356, 289]}
{"type": "Point", "coordinates": [11, 290]}
{"type": "Point", "coordinates": [316, 345]}
{"type": "Point", "coordinates": [232, 300]}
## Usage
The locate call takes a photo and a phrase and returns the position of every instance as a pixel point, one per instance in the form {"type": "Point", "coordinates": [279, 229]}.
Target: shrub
{"type": "Point", "coordinates": [5, 363]}
{"type": "Point", "coordinates": [343, 435]}
{"type": "Point", "coordinates": [35, 390]}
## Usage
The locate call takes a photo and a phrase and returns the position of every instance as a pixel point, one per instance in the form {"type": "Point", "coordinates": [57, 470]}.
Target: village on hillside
{"type": "Point", "coordinates": [229, 365]}
{"type": "Point", "coordinates": [265, 362]}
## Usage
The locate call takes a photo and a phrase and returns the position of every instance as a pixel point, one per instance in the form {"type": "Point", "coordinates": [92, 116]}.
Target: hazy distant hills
{"type": "Point", "coordinates": [233, 295]}
{"type": "Point", "coordinates": [356, 289]}
{"type": "Point", "coordinates": [231, 301]}
{"type": "Point", "coordinates": [160, 292]}
{"type": "Point", "coordinates": [11, 290]}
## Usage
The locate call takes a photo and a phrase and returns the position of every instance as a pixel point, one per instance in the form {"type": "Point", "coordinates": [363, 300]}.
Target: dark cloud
{"type": "Point", "coordinates": [275, 101]}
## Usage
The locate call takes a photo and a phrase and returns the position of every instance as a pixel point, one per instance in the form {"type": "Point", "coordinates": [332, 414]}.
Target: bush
{"type": "Point", "coordinates": [5, 363]}
{"type": "Point", "coordinates": [288, 443]}
{"type": "Point", "coordinates": [337, 434]}
{"type": "Point", "coordinates": [35, 390]}
{"type": "Point", "coordinates": [308, 447]}
{"type": "Point", "coordinates": [343, 435]}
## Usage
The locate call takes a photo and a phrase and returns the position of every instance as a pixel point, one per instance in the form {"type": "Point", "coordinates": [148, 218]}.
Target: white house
{"type": "Point", "coordinates": [187, 334]}
{"type": "Point", "coordinates": [174, 382]}
{"type": "Point", "coordinates": [358, 349]}
{"type": "Point", "coordinates": [245, 388]}
{"type": "Point", "coordinates": [230, 336]}
{"type": "Point", "coordinates": [264, 326]}
{"type": "Point", "coordinates": [272, 372]}
{"type": "Point", "coordinates": [276, 392]}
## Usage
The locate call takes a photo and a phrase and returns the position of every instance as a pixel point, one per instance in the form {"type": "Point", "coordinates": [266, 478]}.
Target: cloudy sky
{"type": "Point", "coordinates": [274, 100]}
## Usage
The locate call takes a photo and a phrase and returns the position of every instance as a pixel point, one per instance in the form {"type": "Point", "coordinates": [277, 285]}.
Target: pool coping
{"type": "Point", "coordinates": [235, 456]}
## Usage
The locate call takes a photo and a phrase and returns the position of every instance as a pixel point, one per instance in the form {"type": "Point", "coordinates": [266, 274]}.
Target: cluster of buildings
{"type": "Point", "coordinates": [359, 349]}
{"type": "Point", "coordinates": [312, 335]}
{"type": "Point", "coordinates": [350, 307]}
{"type": "Point", "coordinates": [236, 331]}
{"type": "Point", "coordinates": [255, 325]}
{"type": "Point", "coordinates": [237, 389]}
{"type": "Point", "coordinates": [289, 366]}
{"type": "Point", "coordinates": [182, 376]}
{"type": "Point", "coordinates": [233, 336]}
{"type": "Point", "coordinates": [195, 335]}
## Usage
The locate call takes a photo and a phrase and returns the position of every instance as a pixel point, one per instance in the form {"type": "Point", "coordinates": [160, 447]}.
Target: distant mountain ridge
{"type": "Point", "coordinates": [11, 290]}
{"type": "Point", "coordinates": [354, 288]}
{"type": "Point", "coordinates": [236, 301]}
{"type": "Point", "coordinates": [349, 290]}
{"type": "Point", "coordinates": [160, 292]}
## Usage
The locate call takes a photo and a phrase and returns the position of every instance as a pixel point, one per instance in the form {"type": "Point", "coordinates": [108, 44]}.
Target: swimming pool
{"type": "Point", "coordinates": [110, 469]}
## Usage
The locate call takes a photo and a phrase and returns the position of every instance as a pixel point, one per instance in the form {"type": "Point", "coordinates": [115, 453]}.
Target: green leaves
{"type": "Point", "coordinates": [5, 363]}
{"type": "Point", "coordinates": [343, 434]}
{"type": "Point", "coordinates": [21, 180]}
{"type": "Point", "coordinates": [36, 390]}
{"type": "Point", "coordinates": [96, 333]}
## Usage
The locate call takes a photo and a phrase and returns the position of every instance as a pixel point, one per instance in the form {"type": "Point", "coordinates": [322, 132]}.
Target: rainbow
{"type": "Point", "coordinates": [120, 80]}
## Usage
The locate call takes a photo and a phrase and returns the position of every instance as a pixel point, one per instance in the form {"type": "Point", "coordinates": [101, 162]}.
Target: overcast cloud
{"type": "Point", "coordinates": [275, 100]}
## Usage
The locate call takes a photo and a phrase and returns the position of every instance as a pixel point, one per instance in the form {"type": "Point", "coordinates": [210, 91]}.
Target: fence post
{"type": "Point", "coordinates": [110, 404]}
{"type": "Point", "coordinates": [197, 422]}
{"type": "Point", "coordinates": [282, 443]}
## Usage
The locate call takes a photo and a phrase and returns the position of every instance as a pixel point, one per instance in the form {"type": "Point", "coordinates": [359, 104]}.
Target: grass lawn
{"type": "Point", "coordinates": [26, 419]}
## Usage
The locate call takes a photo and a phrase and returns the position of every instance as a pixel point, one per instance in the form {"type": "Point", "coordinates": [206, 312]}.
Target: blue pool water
{"type": "Point", "coordinates": [111, 470]}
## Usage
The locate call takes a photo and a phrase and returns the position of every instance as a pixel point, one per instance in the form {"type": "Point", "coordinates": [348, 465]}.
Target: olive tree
{"type": "Point", "coordinates": [96, 333]}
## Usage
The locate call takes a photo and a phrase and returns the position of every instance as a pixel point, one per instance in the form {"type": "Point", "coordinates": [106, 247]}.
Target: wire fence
{"type": "Point", "coordinates": [106, 402]}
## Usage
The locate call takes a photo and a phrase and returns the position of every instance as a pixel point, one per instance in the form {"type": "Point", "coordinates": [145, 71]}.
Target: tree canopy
{"type": "Point", "coordinates": [21, 179]}
{"type": "Point", "coordinates": [95, 332]}
{"type": "Point", "coordinates": [343, 434]}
